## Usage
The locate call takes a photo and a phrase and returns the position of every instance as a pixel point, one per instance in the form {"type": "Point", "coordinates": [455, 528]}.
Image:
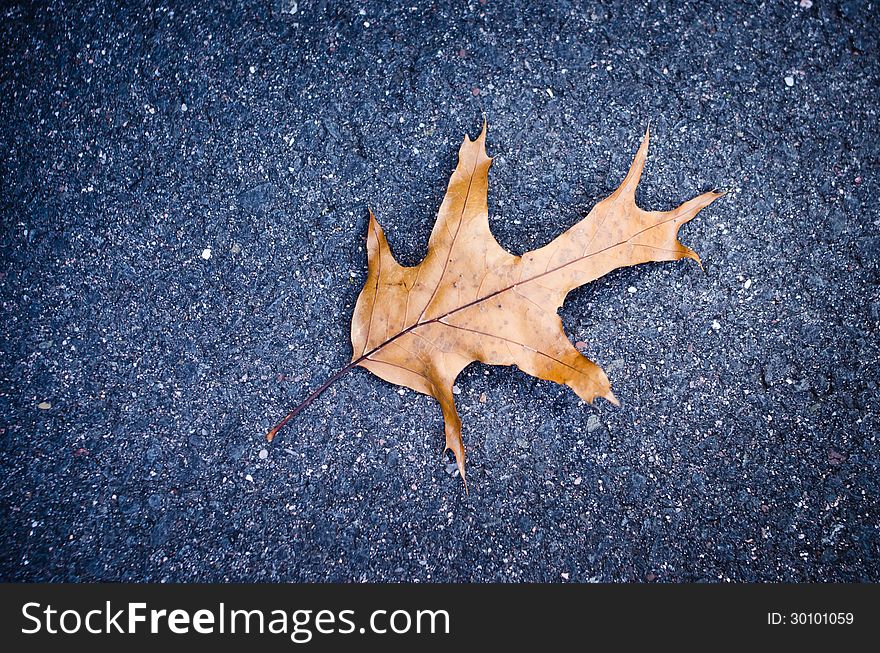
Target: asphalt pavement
{"type": "Point", "coordinates": [184, 202]}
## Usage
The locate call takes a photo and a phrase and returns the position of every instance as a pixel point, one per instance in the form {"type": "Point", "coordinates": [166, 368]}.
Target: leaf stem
{"type": "Point", "coordinates": [335, 377]}
{"type": "Point", "coordinates": [308, 400]}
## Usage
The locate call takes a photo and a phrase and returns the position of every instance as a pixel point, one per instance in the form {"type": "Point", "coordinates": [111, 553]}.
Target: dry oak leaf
{"type": "Point", "coordinates": [470, 300]}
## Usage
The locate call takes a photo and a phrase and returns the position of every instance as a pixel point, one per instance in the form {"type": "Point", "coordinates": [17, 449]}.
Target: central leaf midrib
{"type": "Point", "coordinates": [439, 318]}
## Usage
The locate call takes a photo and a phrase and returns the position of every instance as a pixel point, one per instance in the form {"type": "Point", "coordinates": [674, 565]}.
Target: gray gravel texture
{"type": "Point", "coordinates": [136, 138]}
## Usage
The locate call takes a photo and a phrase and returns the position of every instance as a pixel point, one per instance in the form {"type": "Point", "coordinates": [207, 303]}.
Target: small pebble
{"type": "Point", "coordinates": [183, 107]}
{"type": "Point", "coordinates": [806, 4]}
{"type": "Point", "coordinates": [263, 454]}
{"type": "Point", "coordinates": [789, 81]}
{"type": "Point", "coordinates": [593, 423]}
{"type": "Point", "coordinates": [715, 325]}
{"type": "Point", "coordinates": [456, 390]}
{"type": "Point", "coordinates": [631, 290]}
{"type": "Point", "coordinates": [482, 397]}
{"type": "Point", "coordinates": [249, 478]}
{"type": "Point", "coordinates": [747, 284]}
{"type": "Point", "coordinates": [206, 253]}
{"type": "Point", "coordinates": [44, 405]}
{"type": "Point", "coordinates": [564, 574]}
{"type": "Point", "coordinates": [236, 248]}
{"type": "Point", "coordinates": [578, 480]}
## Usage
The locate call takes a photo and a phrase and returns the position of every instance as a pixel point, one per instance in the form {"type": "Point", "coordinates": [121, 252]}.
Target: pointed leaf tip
{"type": "Point", "coordinates": [634, 175]}
{"type": "Point", "coordinates": [459, 462]}
{"type": "Point", "coordinates": [691, 254]}
{"type": "Point", "coordinates": [481, 137]}
{"type": "Point", "coordinates": [463, 479]}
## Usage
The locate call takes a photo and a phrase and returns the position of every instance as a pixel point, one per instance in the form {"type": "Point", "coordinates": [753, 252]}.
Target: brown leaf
{"type": "Point", "coordinates": [470, 300]}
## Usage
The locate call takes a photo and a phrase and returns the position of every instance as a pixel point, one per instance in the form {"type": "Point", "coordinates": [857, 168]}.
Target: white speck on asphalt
{"type": "Point", "coordinates": [183, 107]}
{"type": "Point", "coordinates": [456, 390]}
{"type": "Point", "coordinates": [44, 405]}
{"type": "Point", "coordinates": [789, 81]}
{"type": "Point", "coordinates": [747, 284]}
{"type": "Point", "coordinates": [206, 253]}
{"type": "Point", "coordinates": [578, 480]}
{"type": "Point", "coordinates": [263, 454]}
{"type": "Point", "coordinates": [249, 478]}
{"type": "Point", "coordinates": [631, 290]}
{"type": "Point", "coordinates": [715, 325]}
